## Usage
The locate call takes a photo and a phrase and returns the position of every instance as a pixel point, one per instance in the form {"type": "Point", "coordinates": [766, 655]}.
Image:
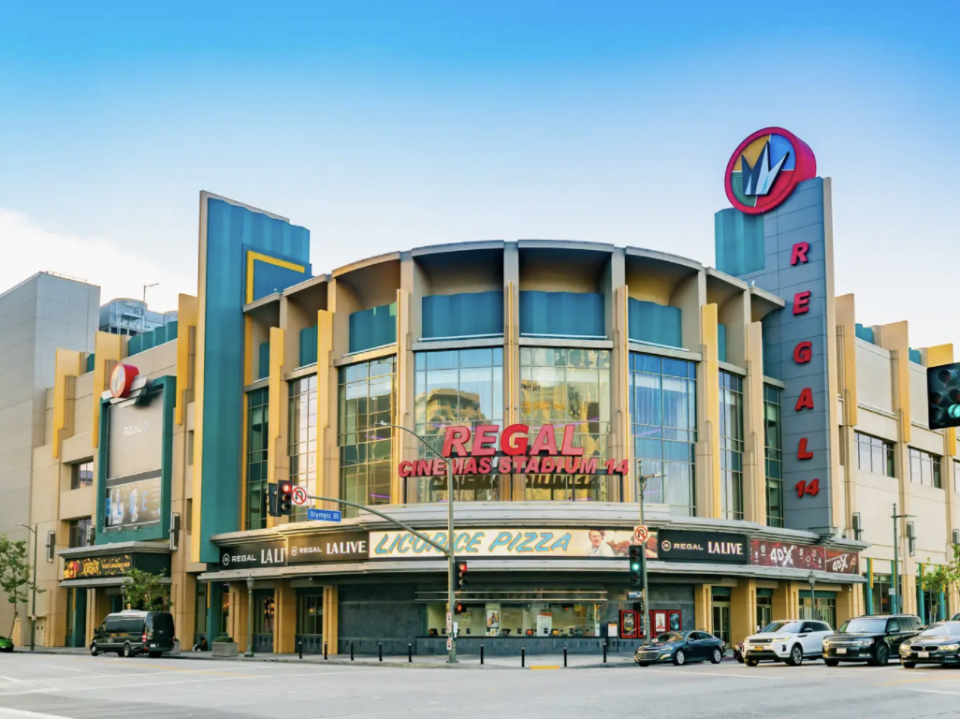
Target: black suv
{"type": "Point", "coordinates": [871, 639]}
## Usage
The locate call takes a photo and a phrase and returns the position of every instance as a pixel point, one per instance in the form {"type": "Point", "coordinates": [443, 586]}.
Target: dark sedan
{"type": "Point", "coordinates": [680, 648]}
{"type": "Point", "coordinates": [937, 644]}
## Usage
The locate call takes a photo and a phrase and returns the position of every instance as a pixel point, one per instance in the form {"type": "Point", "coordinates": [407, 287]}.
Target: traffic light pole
{"type": "Point", "coordinates": [641, 487]}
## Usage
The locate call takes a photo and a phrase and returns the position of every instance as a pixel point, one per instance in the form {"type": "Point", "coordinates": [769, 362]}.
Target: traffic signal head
{"type": "Point", "coordinates": [459, 608]}
{"type": "Point", "coordinates": [943, 396]}
{"type": "Point", "coordinates": [285, 500]}
{"type": "Point", "coordinates": [636, 557]}
{"type": "Point", "coordinates": [272, 499]}
{"type": "Point", "coordinates": [461, 575]}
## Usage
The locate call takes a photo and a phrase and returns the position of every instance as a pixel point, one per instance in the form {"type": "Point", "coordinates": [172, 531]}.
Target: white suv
{"type": "Point", "coordinates": [788, 640]}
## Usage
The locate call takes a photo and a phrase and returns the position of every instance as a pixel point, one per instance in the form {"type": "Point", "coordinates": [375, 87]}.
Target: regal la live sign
{"type": "Point", "coordinates": [478, 451]}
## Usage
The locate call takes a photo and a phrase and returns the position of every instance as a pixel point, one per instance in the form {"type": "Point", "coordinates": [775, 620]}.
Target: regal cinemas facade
{"type": "Point", "coordinates": [771, 434]}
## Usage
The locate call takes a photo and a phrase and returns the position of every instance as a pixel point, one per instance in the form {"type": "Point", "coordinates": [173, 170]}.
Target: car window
{"type": "Point", "coordinates": [695, 636]}
{"type": "Point", "coordinates": [113, 624]}
{"type": "Point", "coordinates": [786, 627]}
{"type": "Point", "coordinates": [893, 626]}
{"type": "Point", "coordinates": [670, 637]}
{"type": "Point", "coordinates": [807, 627]}
{"type": "Point", "coordinates": [864, 625]}
{"type": "Point", "coordinates": [948, 629]}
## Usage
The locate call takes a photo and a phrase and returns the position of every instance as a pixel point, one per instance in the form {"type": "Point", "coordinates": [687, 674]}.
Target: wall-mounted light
{"type": "Point", "coordinates": [857, 526]}
{"type": "Point", "coordinates": [51, 544]}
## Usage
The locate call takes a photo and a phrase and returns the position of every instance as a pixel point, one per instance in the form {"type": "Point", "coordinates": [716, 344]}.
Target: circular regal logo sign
{"type": "Point", "coordinates": [665, 545]}
{"type": "Point", "coordinates": [122, 380]}
{"type": "Point", "coordinates": [766, 168]}
{"type": "Point", "coordinates": [226, 559]}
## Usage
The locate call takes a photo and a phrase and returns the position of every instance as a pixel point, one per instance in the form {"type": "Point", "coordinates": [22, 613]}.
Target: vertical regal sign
{"type": "Point", "coordinates": [775, 238]}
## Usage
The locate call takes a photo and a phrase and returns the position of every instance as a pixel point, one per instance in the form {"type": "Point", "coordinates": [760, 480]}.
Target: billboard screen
{"type": "Point", "coordinates": [943, 395]}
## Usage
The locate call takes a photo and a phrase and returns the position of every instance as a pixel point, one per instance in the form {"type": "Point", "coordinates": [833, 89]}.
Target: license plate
{"type": "Point", "coordinates": [923, 655]}
{"type": "Point", "coordinates": [841, 650]}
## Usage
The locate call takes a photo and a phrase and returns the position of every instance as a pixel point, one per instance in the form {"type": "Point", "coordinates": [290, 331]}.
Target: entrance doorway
{"type": "Point", "coordinates": [764, 611]}
{"type": "Point", "coordinates": [721, 619]}
{"type": "Point", "coordinates": [76, 618]}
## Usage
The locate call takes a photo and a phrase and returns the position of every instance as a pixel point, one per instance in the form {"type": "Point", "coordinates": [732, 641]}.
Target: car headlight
{"type": "Point", "coordinates": [951, 647]}
{"type": "Point", "coordinates": [781, 639]}
{"type": "Point", "coordinates": [826, 643]}
{"type": "Point", "coordinates": [864, 642]}
{"type": "Point", "coordinates": [904, 648]}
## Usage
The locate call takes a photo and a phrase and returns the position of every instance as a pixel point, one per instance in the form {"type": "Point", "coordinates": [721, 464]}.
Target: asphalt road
{"type": "Point", "coordinates": [81, 687]}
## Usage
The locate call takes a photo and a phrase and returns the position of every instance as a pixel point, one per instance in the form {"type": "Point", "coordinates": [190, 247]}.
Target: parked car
{"type": "Point", "coordinates": [786, 640]}
{"type": "Point", "coordinates": [871, 639]}
{"type": "Point", "coordinates": [6, 645]}
{"type": "Point", "coordinates": [680, 648]}
{"type": "Point", "coordinates": [955, 617]}
{"type": "Point", "coordinates": [134, 632]}
{"type": "Point", "coordinates": [937, 644]}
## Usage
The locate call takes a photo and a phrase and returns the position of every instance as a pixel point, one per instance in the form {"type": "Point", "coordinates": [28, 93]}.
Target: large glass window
{"type": "Point", "coordinates": [773, 454]}
{"type": "Point", "coordinates": [459, 387]}
{"type": "Point", "coordinates": [302, 449]}
{"type": "Point", "coordinates": [731, 445]}
{"type": "Point", "coordinates": [925, 468]}
{"type": "Point", "coordinates": [78, 532]}
{"type": "Point", "coordinates": [310, 614]}
{"type": "Point", "coordinates": [264, 608]}
{"type": "Point", "coordinates": [825, 609]}
{"type": "Point", "coordinates": [874, 455]}
{"type": "Point", "coordinates": [531, 619]}
{"type": "Point", "coordinates": [366, 405]}
{"type": "Point", "coordinates": [663, 418]}
{"type": "Point", "coordinates": [568, 387]}
{"type": "Point", "coordinates": [257, 440]}
{"type": "Point", "coordinates": [200, 607]}
{"type": "Point", "coordinates": [81, 474]}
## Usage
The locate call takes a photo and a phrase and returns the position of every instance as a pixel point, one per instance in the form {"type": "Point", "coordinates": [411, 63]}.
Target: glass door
{"type": "Point", "coordinates": [721, 620]}
{"type": "Point", "coordinates": [764, 611]}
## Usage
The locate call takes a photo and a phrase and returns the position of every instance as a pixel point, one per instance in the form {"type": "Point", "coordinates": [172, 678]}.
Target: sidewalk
{"type": "Point", "coordinates": [468, 661]}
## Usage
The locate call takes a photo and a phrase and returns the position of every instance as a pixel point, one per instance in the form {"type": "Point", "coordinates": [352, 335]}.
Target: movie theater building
{"type": "Point", "coordinates": [772, 427]}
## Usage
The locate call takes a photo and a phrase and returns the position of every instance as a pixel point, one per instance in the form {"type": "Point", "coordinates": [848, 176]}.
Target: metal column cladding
{"type": "Point", "coordinates": [795, 267]}
{"type": "Point", "coordinates": [244, 254]}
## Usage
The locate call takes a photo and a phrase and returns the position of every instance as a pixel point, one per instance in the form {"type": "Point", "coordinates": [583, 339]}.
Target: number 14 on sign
{"type": "Point", "coordinates": [811, 488]}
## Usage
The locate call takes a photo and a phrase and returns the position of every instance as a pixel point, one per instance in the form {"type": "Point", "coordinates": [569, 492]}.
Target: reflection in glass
{"type": "Point", "coordinates": [257, 414]}
{"type": "Point", "coordinates": [458, 387]}
{"type": "Point", "coordinates": [731, 445]}
{"type": "Point", "coordinates": [663, 416]}
{"type": "Point", "coordinates": [366, 445]}
{"type": "Point", "coordinates": [302, 448]}
{"type": "Point", "coordinates": [773, 453]}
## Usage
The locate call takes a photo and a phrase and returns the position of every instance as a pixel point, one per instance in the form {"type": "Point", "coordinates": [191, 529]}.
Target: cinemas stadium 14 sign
{"type": "Point", "coordinates": [478, 451]}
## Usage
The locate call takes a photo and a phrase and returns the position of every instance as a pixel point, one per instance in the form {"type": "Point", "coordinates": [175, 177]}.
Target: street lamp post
{"type": "Point", "coordinates": [451, 542]}
{"type": "Point", "coordinates": [812, 580]}
{"type": "Point", "coordinates": [249, 652]}
{"type": "Point", "coordinates": [33, 611]}
{"type": "Point", "coordinates": [641, 487]}
{"type": "Point", "coordinates": [896, 604]}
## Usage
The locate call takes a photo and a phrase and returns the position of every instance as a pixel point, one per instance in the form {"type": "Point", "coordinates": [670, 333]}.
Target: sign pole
{"type": "Point", "coordinates": [641, 486]}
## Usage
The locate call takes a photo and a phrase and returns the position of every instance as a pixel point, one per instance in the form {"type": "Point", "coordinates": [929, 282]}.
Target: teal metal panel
{"type": "Point", "coordinates": [135, 345]}
{"type": "Point", "coordinates": [375, 327]}
{"type": "Point", "coordinates": [867, 589]}
{"type": "Point", "coordinates": [171, 330]}
{"type": "Point", "coordinates": [91, 362]}
{"type": "Point", "coordinates": [739, 242]}
{"type": "Point", "coordinates": [576, 314]}
{"type": "Point", "coordinates": [308, 346]}
{"type": "Point", "coordinates": [463, 315]}
{"type": "Point", "coordinates": [915, 356]}
{"type": "Point", "coordinates": [230, 232]}
{"type": "Point", "coordinates": [264, 369]}
{"type": "Point", "coordinates": [722, 342]}
{"type": "Point", "coordinates": [657, 324]}
{"type": "Point", "coordinates": [865, 333]}
{"type": "Point", "coordinates": [270, 279]}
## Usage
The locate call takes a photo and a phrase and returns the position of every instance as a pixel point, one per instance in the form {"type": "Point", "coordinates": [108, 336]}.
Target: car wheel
{"type": "Point", "coordinates": [881, 657]}
{"type": "Point", "coordinates": [716, 657]}
{"type": "Point", "coordinates": [680, 658]}
{"type": "Point", "coordinates": [126, 652]}
{"type": "Point", "coordinates": [796, 656]}
{"type": "Point", "coordinates": [752, 662]}
{"type": "Point", "coordinates": [909, 665]}
{"type": "Point", "coordinates": [94, 651]}
{"type": "Point", "coordinates": [831, 662]}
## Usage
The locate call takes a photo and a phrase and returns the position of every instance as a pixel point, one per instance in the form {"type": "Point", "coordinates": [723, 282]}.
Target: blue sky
{"type": "Point", "coordinates": [389, 125]}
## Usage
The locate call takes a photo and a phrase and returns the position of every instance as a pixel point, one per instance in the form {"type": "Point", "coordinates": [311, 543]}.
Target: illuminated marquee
{"type": "Point", "coordinates": [479, 452]}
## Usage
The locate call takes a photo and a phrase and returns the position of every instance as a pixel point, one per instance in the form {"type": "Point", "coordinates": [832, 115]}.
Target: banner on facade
{"type": "Point", "coordinates": [97, 567]}
{"type": "Point", "coordinates": [764, 553]}
{"type": "Point", "coordinates": [518, 543]}
{"type": "Point", "coordinates": [328, 547]}
{"type": "Point", "coordinates": [710, 547]}
{"type": "Point", "coordinates": [843, 562]}
{"type": "Point", "coordinates": [253, 556]}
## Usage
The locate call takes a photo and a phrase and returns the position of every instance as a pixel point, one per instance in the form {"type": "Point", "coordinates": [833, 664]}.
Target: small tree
{"type": "Point", "coordinates": [15, 571]}
{"type": "Point", "coordinates": [144, 590]}
{"type": "Point", "coordinates": [940, 578]}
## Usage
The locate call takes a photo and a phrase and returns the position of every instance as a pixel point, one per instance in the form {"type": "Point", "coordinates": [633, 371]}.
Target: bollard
{"type": "Point", "coordinates": [564, 656]}
{"type": "Point", "coordinates": [300, 648]}
{"type": "Point", "coordinates": [523, 657]}
{"type": "Point", "coordinates": [481, 654]}
{"type": "Point", "coordinates": [409, 654]}
{"type": "Point", "coordinates": [351, 651]}
{"type": "Point", "coordinates": [324, 651]}
{"type": "Point", "coordinates": [604, 652]}
{"type": "Point", "coordinates": [380, 650]}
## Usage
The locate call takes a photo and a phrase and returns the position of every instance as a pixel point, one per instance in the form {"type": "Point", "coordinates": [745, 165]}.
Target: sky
{"type": "Point", "coordinates": [383, 126]}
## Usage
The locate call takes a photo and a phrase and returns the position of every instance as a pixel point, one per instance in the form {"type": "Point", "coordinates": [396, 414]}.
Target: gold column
{"type": "Point", "coordinates": [285, 626]}
{"type": "Point", "coordinates": [703, 607]}
{"type": "Point", "coordinates": [708, 418]}
{"type": "Point", "coordinates": [743, 609]}
{"type": "Point", "coordinates": [331, 619]}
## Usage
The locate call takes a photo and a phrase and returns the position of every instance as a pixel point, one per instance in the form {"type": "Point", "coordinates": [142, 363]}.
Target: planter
{"type": "Point", "coordinates": [224, 650]}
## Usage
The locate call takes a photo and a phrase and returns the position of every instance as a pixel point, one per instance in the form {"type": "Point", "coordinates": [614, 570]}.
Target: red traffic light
{"type": "Point", "coordinates": [286, 487]}
{"type": "Point", "coordinates": [462, 567]}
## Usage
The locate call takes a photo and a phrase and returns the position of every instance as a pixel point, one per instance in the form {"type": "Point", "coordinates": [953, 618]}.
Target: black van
{"type": "Point", "coordinates": [134, 632]}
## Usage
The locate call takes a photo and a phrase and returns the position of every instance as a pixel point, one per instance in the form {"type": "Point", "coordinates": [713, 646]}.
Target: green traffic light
{"type": "Point", "coordinates": [954, 411]}
{"type": "Point", "coordinates": [635, 567]}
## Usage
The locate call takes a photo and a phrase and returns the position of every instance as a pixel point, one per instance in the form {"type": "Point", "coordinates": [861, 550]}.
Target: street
{"type": "Point", "coordinates": [77, 686]}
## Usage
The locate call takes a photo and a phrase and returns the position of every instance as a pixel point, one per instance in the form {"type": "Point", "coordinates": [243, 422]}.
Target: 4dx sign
{"type": "Point", "coordinates": [803, 354]}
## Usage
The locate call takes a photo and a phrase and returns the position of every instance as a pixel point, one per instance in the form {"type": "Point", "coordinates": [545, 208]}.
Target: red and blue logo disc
{"type": "Point", "coordinates": [766, 168]}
